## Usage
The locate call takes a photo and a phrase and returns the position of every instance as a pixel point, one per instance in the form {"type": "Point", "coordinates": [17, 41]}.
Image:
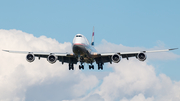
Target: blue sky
{"type": "Point", "coordinates": [132, 23]}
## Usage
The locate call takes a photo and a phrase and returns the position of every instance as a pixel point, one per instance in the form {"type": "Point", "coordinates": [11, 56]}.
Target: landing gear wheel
{"type": "Point", "coordinates": [100, 66]}
{"type": "Point", "coordinates": [91, 66]}
{"type": "Point", "coordinates": [71, 66]}
{"type": "Point", "coordinates": [81, 67]}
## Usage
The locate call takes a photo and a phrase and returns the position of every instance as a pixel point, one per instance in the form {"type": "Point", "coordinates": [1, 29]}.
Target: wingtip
{"type": "Point", "coordinates": [6, 50]}
{"type": "Point", "coordinates": [173, 48]}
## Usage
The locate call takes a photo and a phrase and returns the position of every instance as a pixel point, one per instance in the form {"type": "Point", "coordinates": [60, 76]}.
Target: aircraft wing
{"type": "Point", "coordinates": [107, 57]}
{"type": "Point", "coordinates": [62, 57]}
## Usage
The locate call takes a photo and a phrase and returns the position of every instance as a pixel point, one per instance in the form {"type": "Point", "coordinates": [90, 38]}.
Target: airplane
{"type": "Point", "coordinates": [84, 52]}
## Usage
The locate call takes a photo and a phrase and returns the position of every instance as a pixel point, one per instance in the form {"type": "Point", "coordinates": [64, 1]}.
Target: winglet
{"type": "Point", "coordinates": [92, 41]}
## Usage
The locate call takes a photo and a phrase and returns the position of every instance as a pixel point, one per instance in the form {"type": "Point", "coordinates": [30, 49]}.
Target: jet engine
{"type": "Point", "coordinates": [116, 58]}
{"type": "Point", "coordinates": [30, 57]}
{"type": "Point", "coordinates": [141, 57]}
{"type": "Point", "coordinates": [52, 58]}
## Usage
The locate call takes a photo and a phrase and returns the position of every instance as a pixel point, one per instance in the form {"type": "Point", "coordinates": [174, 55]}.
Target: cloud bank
{"type": "Point", "coordinates": [128, 81]}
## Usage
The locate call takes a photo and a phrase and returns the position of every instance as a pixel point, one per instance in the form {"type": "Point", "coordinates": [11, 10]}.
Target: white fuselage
{"type": "Point", "coordinates": [82, 49]}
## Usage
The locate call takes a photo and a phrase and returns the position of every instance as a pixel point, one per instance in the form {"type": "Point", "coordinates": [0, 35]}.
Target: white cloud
{"type": "Point", "coordinates": [129, 81]}
{"type": "Point", "coordinates": [139, 97]}
{"type": "Point", "coordinates": [137, 81]}
{"type": "Point", "coordinates": [17, 75]}
{"type": "Point", "coordinates": [131, 78]}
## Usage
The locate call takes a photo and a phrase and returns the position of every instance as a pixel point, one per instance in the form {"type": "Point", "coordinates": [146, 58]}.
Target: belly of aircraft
{"type": "Point", "coordinates": [80, 50]}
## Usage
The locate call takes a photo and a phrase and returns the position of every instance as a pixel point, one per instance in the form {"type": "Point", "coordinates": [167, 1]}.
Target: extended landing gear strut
{"type": "Point", "coordinates": [100, 66]}
{"type": "Point", "coordinates": [71, 66]}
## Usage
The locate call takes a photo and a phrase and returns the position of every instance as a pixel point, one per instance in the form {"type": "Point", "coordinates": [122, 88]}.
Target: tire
{"type": "Point", "coordinates": [102, 68]}
{"type": "Point", "coordinates": [69, 68]}
{"type": "Point", "coordinates": [80, 67]}
{"type": "Point", "coordinates": [89, 66]}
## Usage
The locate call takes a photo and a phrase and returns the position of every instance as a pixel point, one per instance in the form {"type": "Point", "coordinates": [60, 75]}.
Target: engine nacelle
{"type": "Point", "coordinates": [52, 58]}
{"type": "Point", "coordinates": [116, 58]}
{"type": "Point", "coordinates": [30, 57]}
{"type": "Point", "coordinates": [141, 57]}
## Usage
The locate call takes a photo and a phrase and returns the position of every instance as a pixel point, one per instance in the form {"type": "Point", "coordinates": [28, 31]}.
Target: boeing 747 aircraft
{"type": "Point", "coordinates": [84, 52]}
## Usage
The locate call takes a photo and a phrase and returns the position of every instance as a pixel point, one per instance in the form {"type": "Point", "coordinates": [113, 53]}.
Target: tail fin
{"type": "Point", "coordinates": [92, 41]}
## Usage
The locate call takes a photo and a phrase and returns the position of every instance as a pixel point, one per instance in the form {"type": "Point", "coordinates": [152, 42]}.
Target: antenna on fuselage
{"type": "Point", "coordinates": [92, 41]}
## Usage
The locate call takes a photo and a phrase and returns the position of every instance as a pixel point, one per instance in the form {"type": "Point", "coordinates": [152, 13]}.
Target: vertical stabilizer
{"type": "Point", "coordinates": [92, 41]}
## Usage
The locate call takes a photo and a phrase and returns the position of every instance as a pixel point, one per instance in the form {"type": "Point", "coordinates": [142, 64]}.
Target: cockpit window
{"type": "Point", "coordinates": [78, 35]}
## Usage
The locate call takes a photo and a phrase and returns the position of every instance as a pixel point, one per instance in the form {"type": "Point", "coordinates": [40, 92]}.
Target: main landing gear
{"type": "Point", "coordinates": [91, 66]}
{"type": "Point", "coordinates": [81, 67]}
{"type": "Point", "coordinates": [100, 66]}
{"type": "Point", "coordinates": [71, 66]}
